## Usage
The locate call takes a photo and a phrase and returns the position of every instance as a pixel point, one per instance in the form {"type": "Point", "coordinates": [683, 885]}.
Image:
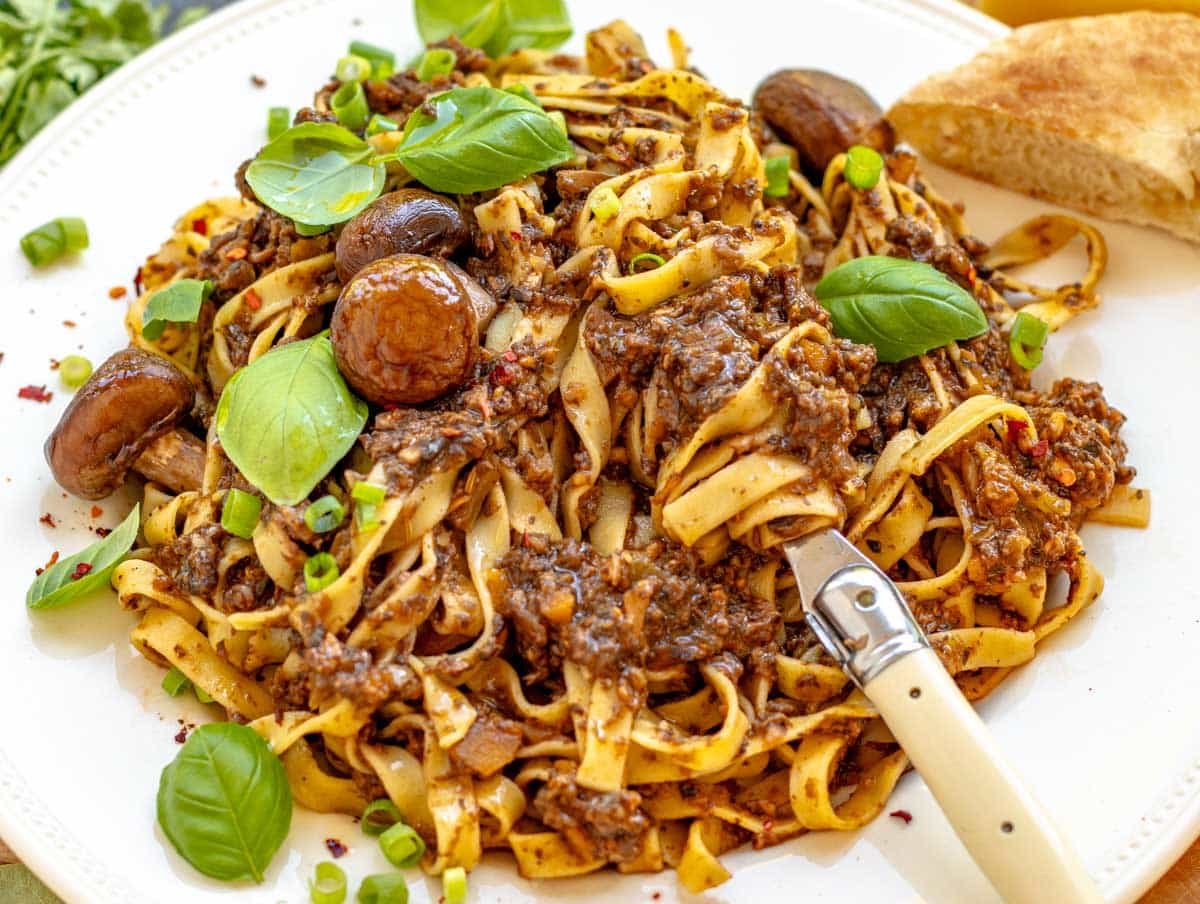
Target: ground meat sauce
{"type": "Point", "coordinates": [610, 825]}
{"type": "Point", "coordinates": [191, 561]}
{"type": "Point", "coordinates": [235, 259]}
{"type": "Point", "coordinates": [615, 615]}
{"type": "Point", "coordinates": [335, 670]}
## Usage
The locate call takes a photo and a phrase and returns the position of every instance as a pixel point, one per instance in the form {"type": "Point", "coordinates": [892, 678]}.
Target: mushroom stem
{"type": "Point", "coordinates": [175, 460]}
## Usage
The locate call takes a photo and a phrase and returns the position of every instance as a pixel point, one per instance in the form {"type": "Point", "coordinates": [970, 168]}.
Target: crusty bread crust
{"type": "Point", "coordinates": [1100, 113]}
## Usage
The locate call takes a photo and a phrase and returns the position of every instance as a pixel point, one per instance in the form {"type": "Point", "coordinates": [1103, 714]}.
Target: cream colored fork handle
{"type": "Point", "coordinates": [1006, 830]}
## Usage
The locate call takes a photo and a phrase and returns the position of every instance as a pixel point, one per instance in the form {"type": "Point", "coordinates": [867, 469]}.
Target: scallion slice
{"type": "Point", "coordinates": [863, 166]}
{"type": "Point", "coordinates": [386, 888]}
{"type": "Point", "coordinates": [324, 515]}
{"type": "Point", "coordinates": [74, 370]}
{"type": "Point", "coordinates": [383, 62]}
{"type": "Point", "coordinates": [778, 182]}
{"type": "Point", "coordinates": [454, 885]}
{"type": "Point", "coordinates": [52, 240]}
{"type": "Point", "coordinates": [646, 257]}
{"type": "Point", "coordinates": [320, 571]}
{"type": "Point", "coordinates": [379, 816]}
{"type": "Point", "coordinates": [349, 105]}
{"type": "Point", "coordinates": [371, 493]}
{"type": "Point", "coordinates": [380, 124]}
{"type": "Point", "coordinates": [278, 120]}
{"type": "Point", "coordinates": [402, 846]}
{"type": "Point", "coordinates": [436, 61]}
{"type": "Point", "coordinates": [175, 682]}
{"type": "Point", "coordinates": [201, 694]}
{"type": "Point", "coordinates": [1027, 339]}
{"type": "Point", "coordinates": [328, 885]}
{"type": "Point", "coordinates": [239, 514]}
{"type": "Point", "coordinates": [352, 68]}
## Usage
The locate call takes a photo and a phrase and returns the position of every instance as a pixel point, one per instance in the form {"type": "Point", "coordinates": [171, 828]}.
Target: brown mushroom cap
{"type": "Point", "coordinates": [408, 221]}
{"type": "Point", "coordinates": [132, 399]}
{"type": "Point", "coordinates": [406, 328]}
{"type": "Point", "coordinates": [821, 115]}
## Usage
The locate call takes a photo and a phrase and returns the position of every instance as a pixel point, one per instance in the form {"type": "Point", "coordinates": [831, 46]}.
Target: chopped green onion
{"type": "Point", "coordinates": [646, 257]}
{"type": "Point", "coordinates": [604, 203]}
{"type": "Point", "coordinates": [386, 888]}
{"type": "Point", "coordinates": [438, 61]}
{"type": "Point", "coordinates": [352, 68]}
{"type": "Point", "coordinates": [379, 816]}
{"type": "Point", "coordinates": [52, 240]}
{"type": "Point", "coordinates": [201, 694]}
{"type": "Point", "coordinates": [778, 181]}
{"type": "Point", "coordinates": [402, 846]}
{"type": "Point", "coordinates": [349, 105]}
{"type": "Point", "coordinates": [324, 515]}
{"type": "Point", "coordinates": [380, 123]}
{"type": "Point", "coordinates": [371, 493]}
{"type": "Point", "coordinates": [328, 885]}
{"type": "Point", "coordinates": [278, 120]}
{"type": "Point", "coordinates": [175, 682]}
{"type": "Point", "coordinates": [454, 885]}
{"type": "Point", "coordinates": [863, 166]}
{"type": "Point", "coordinates": [560, 120]}
{"type": "Point", "coordinates": [320, 571]}
{"type": "Point", "coordinates": [383, 62]}
{"type": "Point", "coordinates": [239, 514]}
{"type": "Point", "coordinates": [1026, 340]}
{"type": "Point", "coordinates": [364, 517]}
{"type": "Point", "coordinates": [74, 370]}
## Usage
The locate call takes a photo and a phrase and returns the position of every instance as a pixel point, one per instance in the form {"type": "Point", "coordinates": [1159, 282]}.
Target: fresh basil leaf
{"type": "Point", "coordinates": [316, 173]}
{"type": "Point", "coordinates": [902, 307]}
{"type": "Point", "coordinates": [224, 802]}
{"type": "Point", "coordinates": [479, 138]}
{"type": "Point", "coordinates": [288, 417]}
{"type": "Point", "coordinates": [58, 585]}
{"type": "Point", "coordinates": [178, 302]}
{"type": "Point", "coordinates": [495, 26]}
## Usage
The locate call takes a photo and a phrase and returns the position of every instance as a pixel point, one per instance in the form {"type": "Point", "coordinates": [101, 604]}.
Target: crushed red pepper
{"type": "Point", "coordinates": [200, 226]}
{"type": "Point", "coordinates": [48, 520]}
{"type": "Point", "coordinates": [335, 847]}
{"type": "Point", "coordinates": [70, 324]}
{"type": "Point", "coordinates": [137, 281]}
{"type": "Point", "coordinates": [902, 814]}
{"type": "Point", "coordinates": [253, 302]}
{"type": "Point", "coordinates": [1040, 448]}
{"type": "Point", "coordinates": [34, 393]}
{"type": "Point", "coordinates": [102, 531]}
{"type": "Point", "coordinates": [53, 558]}
{"type": "Point", "coordinates": [117, 292]}
{"type": "Point", "coordinates": [96, 511]}
{"type": "Point", "coordinates": [81, 571]}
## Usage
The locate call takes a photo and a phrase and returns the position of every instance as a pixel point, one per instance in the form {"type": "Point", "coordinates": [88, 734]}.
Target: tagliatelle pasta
{"type": "Point", "coordinates": [565, 630]}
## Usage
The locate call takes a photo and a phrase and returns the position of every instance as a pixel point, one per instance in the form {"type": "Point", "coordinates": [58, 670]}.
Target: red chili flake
{"type": "Point", "coordinates": [1040, 448]}
{"type": "Point", "coordinates": [336, 848]}
{"type": "Point", "coordinates": [96, 511]}
{"type": "Point", "coordinates": [70, 324]}
{"type": "Point", "coordinates": [48, 520]}
{"type": "Point", "coordinates": [902, 814]}
{"type": "Point", "coordinates": [768, 824]}
{"type": "Point", "coordinates": [235, 254]}
{"type": "Point", "coordinates": [253, 302]}
{"type": "Point", "coordinates": [502, 375]}
{"type": "Point", "coordinates": [102, 531]}
{"type": "Point", "coordinates": [509, 355]}
{"type": "Point", "coordinates": [34, 393]}
{"type": "Point", "coordinates": [258, 81]}
{"type": "Point", "coordinates": [53, 558]}
{"type": "Point", "coordinates": [1015, 429]}
{"type": "Point", "coordinates": [117, 292]}
{"type": "Point", "coordinates": [200, 226]}
{"type": "Point", "coordinates": [137, 281]}
{"type": "Point", "coordinates": [181, 735]}
{"type": "Point", "coordinates": [515, 235]}
{"type": "Point", "coordinates": [81, 571]}
{"type": "Point", "coordinates": [55, 364]}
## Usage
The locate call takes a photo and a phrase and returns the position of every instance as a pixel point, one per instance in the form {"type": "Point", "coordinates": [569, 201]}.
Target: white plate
{"type": "Point", "coordinates": [1103, 723]}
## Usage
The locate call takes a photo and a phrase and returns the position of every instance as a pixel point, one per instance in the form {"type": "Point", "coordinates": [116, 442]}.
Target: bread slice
{"type": "Point", "coordinates": [1100, 113]}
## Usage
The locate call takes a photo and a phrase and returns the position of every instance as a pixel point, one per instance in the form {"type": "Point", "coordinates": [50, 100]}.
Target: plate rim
{"type": "Point", "coordinates": [1169, 825]}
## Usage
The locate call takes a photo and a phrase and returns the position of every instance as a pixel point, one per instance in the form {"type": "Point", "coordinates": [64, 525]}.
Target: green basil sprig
{"type": "Point", "coordinates": [178, 302]}
{"type": "Point", "coordinates": [316, 173]}
{"type": "Point", "coordinates": [58, 584]}
{"type": "Point", "coordinates": [288, 417]}
{"type": "Point", "coordinates": [479, 138]}
{"type": "Point", "coordinates": [225, 803]}
{"type": "Point", "coordinates": [904, 308]}
{"type": "Point", "coordinates": [495, 26]}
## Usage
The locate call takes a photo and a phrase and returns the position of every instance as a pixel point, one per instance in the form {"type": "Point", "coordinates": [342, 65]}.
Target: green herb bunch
{"type": "Point", "coordinates": [52, 52]}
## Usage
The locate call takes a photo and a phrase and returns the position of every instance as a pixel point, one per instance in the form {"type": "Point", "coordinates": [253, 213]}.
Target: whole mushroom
{"type": "Point", "coordinates": [406, 328]}
{"type": "Point", "coordinates": [410, 220]}
{"type": "Point", "coordinates": [821, 115]}
{"type": "Point", "coordinates": [123, 419]}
